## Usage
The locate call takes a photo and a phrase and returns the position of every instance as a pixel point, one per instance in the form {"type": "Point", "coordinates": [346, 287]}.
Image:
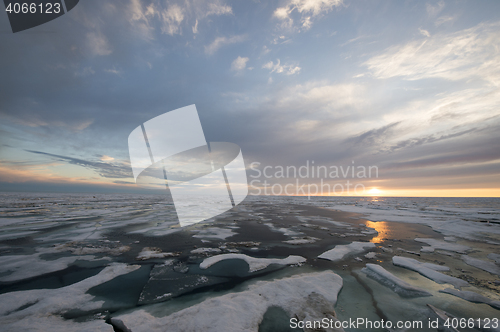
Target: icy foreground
{"type": "Point", "coordinates": [341, 251]}
{"type": "Point", "coordinates": [388, 279]}
{"type": "Point", "coordinates": [472, 297]}
{"type": "Point", "coordinates": [429, 270]}
{"type": "Point", "coordinates": [306, 296]}
{"type": "Point", "coordinates": [254, 264]}
{"type": "Point", "coordinates": [40, 309]}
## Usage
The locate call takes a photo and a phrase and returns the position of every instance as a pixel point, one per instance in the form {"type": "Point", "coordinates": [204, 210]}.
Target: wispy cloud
{"type": "Point", "coordinates": [171, 20]}
{"type": "Point", "coordinates": [279, 68]}
{"type": "Point", "coordinates": [221, 41]}
{"type": "Point", "coordinates": [307, 9]}
{"type": "Point", "coordinates": [455, 56]}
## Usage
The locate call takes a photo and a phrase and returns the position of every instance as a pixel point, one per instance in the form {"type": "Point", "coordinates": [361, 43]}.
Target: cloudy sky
{"type": "Point", "coordinates": [411, 87]}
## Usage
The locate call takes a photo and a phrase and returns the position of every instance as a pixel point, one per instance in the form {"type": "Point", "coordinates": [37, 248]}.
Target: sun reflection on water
{"type": "Point", "coordinates": [382, 228]}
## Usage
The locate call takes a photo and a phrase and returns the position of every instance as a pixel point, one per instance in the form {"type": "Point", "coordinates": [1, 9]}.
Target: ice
{"type": "Point", "coordinates": [399, 286]}
{"type": "Point", "coordinates": [28, 266]}
{"type": "Point", "coordinates": [40, 309]}
{"type": "Point", "coordinates": [302, 240]}
{"type": "Point", "coordinates": [495, 257]}
{"type": "Point", "coordinates": [436, 244]}
{"type": "Point", "coordinates": [472, 297]}
{"type": "Point", "coordinates": [82, 248]}
{"type": "Point", "coordinates": [168, 280]}
{"type": "Point", "coordinates": [341, 251]}
{"type": "Point", "coordinates": [254, 264]}
{"type": "Point", "coordinates": [285, 231]}
{"type": "Point", "coordinates": [304, 219]}
{"type": "Point", "coordinates": [483, 265]}
{"type": "Point", "coordinates": [305, 296]}
{"type": "Point", "coordinates": [214, 233]}
{"type": "Point", "coordinates": [205, 251]}
{"type": "Point", "coordinates": [429, 270]}
{"type": "Point", "coordinates": [149, 252]}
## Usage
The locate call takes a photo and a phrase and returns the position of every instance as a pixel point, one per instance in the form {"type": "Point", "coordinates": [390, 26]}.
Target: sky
{"type": "Point", "coordinates": [409, 87]}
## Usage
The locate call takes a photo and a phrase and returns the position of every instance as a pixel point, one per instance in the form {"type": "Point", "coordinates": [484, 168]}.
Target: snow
{"type": "Point", "coordinates": [305, 296]}
{"type": "Point", "coordinates": [388, 279]}
{"type": "Point", "coordinates": [149, 252]}
{"type": "Point", "coordinates": [483, 265]}
{"type": "Point", "coordinates": [429, 270]}
{"type": "Point", "coordinates": [304, 219]}
{"type": "Point", "coordinates": [285, 231]}
{"type": "Point", "coordinates": [472, 297]}
{"type": "Point", "coordinates": [254, 264]}
{"type": "Point", "coordinates": [206, 251]}
{"type": "Point", "coordinates": [437, 244]}
{"type": "Point", "coordinates": [341, 251]}
{"type": "Point", "coordinates": [214, 233]}
{"type": "Point", "coordinates": [302, 240]}
{"type": "Point", "coordinates": [39, 309]}
{"type": "Point", "coordinates": [28, 266]}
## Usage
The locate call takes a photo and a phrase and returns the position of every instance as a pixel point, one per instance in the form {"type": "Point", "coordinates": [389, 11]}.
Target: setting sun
{"type": "Point", "coordinates": [374, 192]}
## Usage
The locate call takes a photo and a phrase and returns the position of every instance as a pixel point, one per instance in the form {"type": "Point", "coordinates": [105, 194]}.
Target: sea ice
{"type": "Point", "coordinates": [301, 240]}
{"type": "Point", "coordinates": [483, 265]}
{"type": "Point", "coordinates": [39, 309]}
{"type": "Point", "coordinates": [254, 264]}
{"type": "Point", "coordinates": [149, 252]}
{"type": "Point", "coordinates": [429, 270]}
{"type": "Point", "coordinates": [206, 251]}
{"type": "Point", "coordinates": [472, 297]}
{"type": "Point", "coordinates": [437, 244]}
{"type": "Point", "coordinates": [214, 233]}
{"type": "Point", "coordinates": [495, 257]}
{"type": "Point", "coordinates": [28, 266]}
{"type": "Point", "coordinates": [388, 279]}
{"type": "Point", "coordinates": [305, 296]}
{"type": "Point", "coordinates": [341, 251]}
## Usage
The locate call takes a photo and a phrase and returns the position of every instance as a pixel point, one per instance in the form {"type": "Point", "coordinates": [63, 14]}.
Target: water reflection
{"type": "Point", "coordinates": [383, 229]}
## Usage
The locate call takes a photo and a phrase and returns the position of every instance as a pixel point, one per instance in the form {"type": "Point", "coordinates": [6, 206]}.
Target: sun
{"type": "Point", "coordinates": [374, 192]}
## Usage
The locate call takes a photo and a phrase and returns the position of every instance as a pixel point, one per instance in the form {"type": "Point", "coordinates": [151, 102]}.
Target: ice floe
{"type": "Point", "coordinates": [285, 231]}
{"type": "Point", "coordinates": [254, 264]}
{"type": "Point", "coordinates": [214, 233]}
{"type": "Point", "coordinates": [18, 267]}
{"type": "Point", "coordinates": [437, 244]}
{"type": "Point", "coordinates": [495, 257]}
{"type": "Point", "coordinates": [388, 279]}
{"type": "Point", "coordinates": [341, 251]}
{"type": "Point", "coordinates": [150, 252]}
{"type": "Point", "coordinates": [472, 297]}
{"type": "Point", "coordinates": [301, 240]}
{"type": "Point", "coordinates": [483, 265]}
{"type": "Point", "coordinates": [429, 270]}
{"type": "Point", "coordinates": [40, 309]}
{"type": "Point", "coordinates": [306, 296]}
{"type": "Point", "coordinates": [206, 251]}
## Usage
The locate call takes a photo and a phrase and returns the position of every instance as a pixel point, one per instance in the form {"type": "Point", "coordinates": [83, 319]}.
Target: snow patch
{"type": "Point", "coordinates": [341, 251]}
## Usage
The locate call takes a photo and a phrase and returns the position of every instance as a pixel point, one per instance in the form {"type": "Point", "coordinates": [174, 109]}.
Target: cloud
{"type": "Point", "coordinates": [220, 41]}
{"type": "Point", "coordinates": [218, 9]}
{"type": "Point", "coordinates": [434, 10]}
{"type": "Point", "coordinates": [172, 19]}
{"type": "Point", "coordinates": [307, 9]}
{"type": "Point", "coordinates": [278, 68]}
{"type": "Point", "coordinates": [424, 32]}
{"type": "Point", "coordinates": [455, 56]}
{"type": "Point", "coordinates": [98, 44]}
{"type": "Point", "coordinates": [104, 169]}
{"type": "Point", "coordinates": [239, 64]}
{"type": "Point", "coordinates": [195, 27]}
